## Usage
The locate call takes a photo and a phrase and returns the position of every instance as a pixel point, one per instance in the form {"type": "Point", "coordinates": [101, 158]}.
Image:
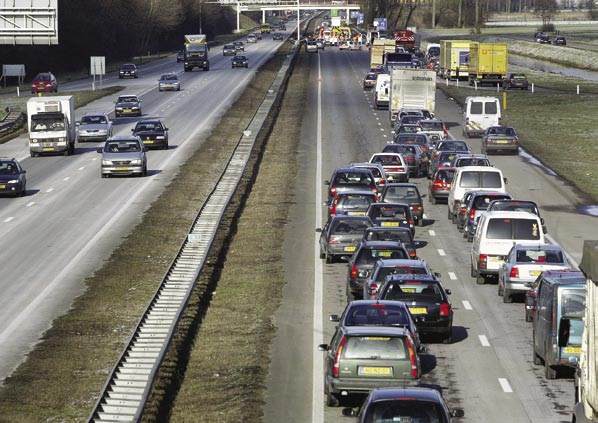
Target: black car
{"type": "Point", "coordinates": [559, 40]}
{"type": "Point", "coordinates": [127, 105]}
{"type": "Point", "coordinates": [397, 234]}
{"type": "Point", "coordinates": [277, 36]}
{"type": "Point", "coordinates": [405, 193]}
{"type": "Point", "coordinates": [515, 80]}
{"type": "Point", "coordinates": [427, 299]}
{"type": "Point", "coordinates": [239, 62]}
{"type": "Point", "coordinates": [128, 70]}
{"type": "Point", "coordinates": [389, 215]}
{"type": "Point", "coordinates": [404, 404]}
{"type": "Point", "coordinates": [152, 132]}
{"type": "Point", "coordinates": [180, 56]}
{"type": "Point", "coordinates": [12, 177]}
{"type": "Point", "coordinates": [363, 260]}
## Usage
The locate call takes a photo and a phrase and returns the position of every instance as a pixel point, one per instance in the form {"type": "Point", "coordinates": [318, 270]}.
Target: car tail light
{"type": "Point", "coordinates": [410, 159]}
{"type": "Point", "coordinates": [373, 290]}
{"type": "Point", "coordinates": [412, 254]}
{"type": "Point", "coordinates": [445, 309]}
{"type": "Point", "coordinates": [411, 223]}
{"type": "Point", "coordinates": [466, 121]}
{"type": "Point", "coordinates": [514, 272]}
{"type": "Point", "coordinates": [444, 129]}
{"type": "Point", "coordinates": [438, 184]}
{"type": "Point", "coordinates": [338, 356]}
{"type": "Point", "coordinates": [354, 271]}
{"type": "Point", "coordinates": [483, 260]}
{"type": "Point", "coordinates": [333, 209]}
{"type": "Point", "coordinates": [415, 208]}
{"type": "Point", "coordinates": [436, 154]}
{"type": "Point", "coordinates": [472, 215]}
{"type": "Point", "coordinates": [462, 210]}
{"type": "Point", "coordinates": [412, 358]}
{"type": "Point", "coordinates": [332, 240]}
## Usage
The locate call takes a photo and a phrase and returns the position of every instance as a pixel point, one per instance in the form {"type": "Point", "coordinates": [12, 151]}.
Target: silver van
{"type": "Point", "coordinates": [558, 324]}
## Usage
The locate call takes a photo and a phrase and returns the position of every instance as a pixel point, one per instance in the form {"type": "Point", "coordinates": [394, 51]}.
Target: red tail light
{"type": "Point", "coordinates": [374, 290]}
{"type": "Point", "coordinates": [412, 254]}
{"type": "Point", "coordinates": [375, 191]}
{"type": "Point", "coordinates": [410, 159]}
{"type": "Point", "coordinates": [332, 190]}
{"type": "Point", "coordinates": [354, 271]}
{"type": "Point", "coordinates": [332, 240]}
{"type": "Point", "coordinates": [445, 309]}
{"type": "Point", "coordinates": [438, 184]}
{"type": "Point", "coordinates": [338, 356]}
{"type": "Point", "coordinates": [483, 260]}
{"type": "Point", "coordinates": [412, 358]}
{"type": "Point", "coordinates": [444, 129]}
{"type": "Point", "coordinates": [466, 121]}
{"type": "Point", "coordinates": [472, 215]}
{"type": "Point", "coordinates": [462, 210]}
{"type": "Point", "coordinates": [411, 223]}
{"type": "Point", "coordinates": [514, 272]}
{"type": "Point", "coordinates": [333, 209]}
{"type": "Point", "coordinates": [415, 208]}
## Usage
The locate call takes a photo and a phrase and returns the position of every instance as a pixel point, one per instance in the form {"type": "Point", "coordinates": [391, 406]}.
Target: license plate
{"type": "Point", "coordinates": [385, 253]}
{"type": "Point", "coordinates": [409, 290]}
{"type": "Point", "coordinates": [496, 259]}
{"type": "Point", "coordinates": [2, 186]}
{"type": "Point", "coordinates": [375, 371]}
{"type": "Point", "coordinates": [389, 224]}
{"type": "Point", "coordinates": [351, 249]}
{"type": "Point", "coordinates": [356, 213]}
{"type": "Point", "coordinates": [122, 168]}
{"type": "Point", "coordinates": [418, 310]}
{"type": "Point", "coordinates": [128, 110]}
{"type": "Point", "coordinates": [502, 141]}
{"type": "Point", "coordinates": [48, 149]}
{"type": "Point", "coordinates": [148, 141]}
{"type": "Point", "coordinates": [572, 350]}
{"type": "Point", "coordinates": [535, 272]}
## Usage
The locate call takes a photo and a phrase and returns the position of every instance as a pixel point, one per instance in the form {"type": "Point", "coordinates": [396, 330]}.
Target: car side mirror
{"type": "Point", "coordinates": [564, 330]}
{"type": "Point", "coordinates": [448, 291]}
{"type": "Point", "coordinates": [334, 318]}
{"type": "Point", "coordinates": [506, 180]}
{"type": "Point", "coordinates": [318, 230]}
{"type": "Point", "coordinates": [437, 274]}
{"type": "Point", "coordinates": [422, 350]}
{"type": "Point", "coordinates": [423, 195]}
{"type": "Point", "coordinates": [133, 130]}
{"type": "Point", "coordinates": [166, 129]}
{"type": "Point", "coordinates": [99, 150]}
{"type": "Point", "coordinates": [323, 347]}
{"type": "Point", "coordinates": [457, 412]}
{"type": "Point", "coordinates": [77, 123]}
{"type": "Point", "coordinates": [24, 171]}
{"type": "Point", "coordinates": [326, 182]}
{"type": "Point", "coordinates": [348, 412]}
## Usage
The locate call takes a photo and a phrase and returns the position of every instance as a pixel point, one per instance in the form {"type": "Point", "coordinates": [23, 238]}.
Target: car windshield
{"type": "Point", "coordinates": [387, 234]}
{"type": "Point", "coordinates": [482, 202]}
{"type": "Point", "coordinates": [45, 77]}
{"type": "Point", "coordinates": [410, 129]}
{"type": "Point", "coordinates": [451, 145]}
{"type": "Point", "coordinates": [404, 410]}
{"type": "Point", "coordinates": [355, 201]}
{"type": "Point", "coordinates": [399, 270]}
{"type": "Point", "coordinates": [8, 168]}
{"type": "Point", "coordinates": [121, 146]}
{"type": "Point", "coordinates": [46, 124]}
{"type": "Point", "coordinates": [127, 100]}
{"type": "Point", "coordinates": [472, 161]}
{"type": "Point", "coordinates": [502, 130]}
{"type": "Point", "coordinates": [515, 206]}
{"type": "Point", "coordinates": [375, 347]}
{"type": "Point", "coordinates": [85, 120]}
{"type": "Point", "coordinates": [410, 139]}
{"type": "Point", "coordinates": [446, 157]}
{"type": "Point", "coordinates": [377, 314]}
{"type": "Point", "coordinates": [128, 67]}
{"type": "Point", "coordinates": [169, 77]}
{"type": "Point", "coordinates": [445, 175]}
{"type": "Point", "coordinates": [360, 178]}
{"type": "Point", "coordinates": [149, 126]}
{"type": "Point", "coordinates": [349, 227]}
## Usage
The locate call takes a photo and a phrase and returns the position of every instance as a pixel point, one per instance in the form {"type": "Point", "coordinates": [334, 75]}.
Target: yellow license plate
{"type": "Point", "coordinates": [122, 168]}
{"type": "Point", "coordinates": [2, 186]}
{"type": "Point", "coordinates": [351, 249]}
{"type": "Point", "coordinates": [572, 350]}
{"type": "Point", "coordinates": [496, 259]}
{"type": "Point", "coordinates": [385, 253]}
{"type": "Point", "coordinates": [418, 310]}
{"type": "Point", "coordinates": [148, 141]}
{"type": "Point", "coordinates": [409, 290]}
{"type": "Point", "coordinates": [128, 111]}
{"type": "Point", "coordinates": [389, 224]}
{"type": "Point", "coordinates": [356, 213]}
{"type": "Point", "coordinates": [375, 371]}
{"type": "Point", "coordinates": [502, 141]}
{"type": "Point", "coordinates": [535, 272]}
{"type": "Point", "coordinates": [48, 148]}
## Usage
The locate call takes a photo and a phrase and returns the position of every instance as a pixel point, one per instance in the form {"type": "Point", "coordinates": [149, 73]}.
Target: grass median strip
{"type": "Point", "coordinates": [64, 373]}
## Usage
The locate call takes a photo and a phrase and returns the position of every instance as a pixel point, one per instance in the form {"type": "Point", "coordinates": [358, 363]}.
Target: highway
{"type": "Point", "coordinates": [488, 370]}
{"type": "Point", "coordinates": [71, 219]}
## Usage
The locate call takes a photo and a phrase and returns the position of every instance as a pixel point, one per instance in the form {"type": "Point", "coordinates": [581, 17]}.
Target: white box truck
{"type": "Point", "coordinates": [586, 377]}
{"type": "Point", "coordinates": [51, 125]}
{"type": "Point", "coordinates": [411, 89]}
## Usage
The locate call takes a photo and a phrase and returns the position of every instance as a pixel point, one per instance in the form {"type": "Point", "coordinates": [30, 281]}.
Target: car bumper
{"type": "Point", "coordinates": [339, 250]}
{"type": "Point", "coordinates": [122, 170]}
{"type": "Point", "coordinates": [363, 385]}
{"type": "Point", "coordinates": [517, 285]}
{"type": "Point", "coordinates": [127, 113]}
{"type": "Point", "coordinates": [169, 87]}
{"type": "Point", "coordinates": [11, 189]}
{"type": "Point", "coordinates": [397, 177]}
{"type": "Point", "coordinates": [356, 286]}
{"type": "Point", "coordinates": [439, 194]}
{"type": "Point", "coordinates": [92, 138]}
{"type": "Point", "coordinates": [154, 143]}
{"type": "Point", "coordinates": [56, 148]}
{"type": "Point", "coordinates": [502, 147]}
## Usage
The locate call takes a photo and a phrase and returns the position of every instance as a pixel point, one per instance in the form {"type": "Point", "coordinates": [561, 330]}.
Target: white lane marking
{"type": "Point", "coordinates": [377, 118]}
{"type": "Point", "coordinates": [441, 252]}
{"type": "Point", "coordinates": [452, 276]}
{"type": "Point", "coordinates": [317, 405]}
{"type": "Point", "coordinates": [8, 219]}
{"type": "Point", "coordinates": [67, 178]}
{"type": "Point", "coordinates": [382, 129]}
{"type": "Point", "coordinates": [379, 123]}
{"type": "Point", "coordinates": [484, 340]}
{"type": "Point", "coordinates": [504, 384]}
{"type": "Point", "coordinates": [81, 168]}
{"type": "Point", "coordinates": [94, 159]}
{"type": "Point", "coordinates": [50, 190]}
{"type": "Point", "coordinates": [30, 204]}
{"type": "Point", "coordinates": [432, 232]}
{"type": "Point", "coordinates": [467, 305]}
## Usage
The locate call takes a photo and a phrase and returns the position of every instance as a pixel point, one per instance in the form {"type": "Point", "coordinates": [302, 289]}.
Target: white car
{"type": "Point", "coordinates": [394, 165]}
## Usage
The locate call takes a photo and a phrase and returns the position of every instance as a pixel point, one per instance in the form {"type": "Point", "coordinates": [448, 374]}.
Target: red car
{"type": "Point", "coordinates": [440, 184]}
{"type": "Point", "coordinates": [44, 82]}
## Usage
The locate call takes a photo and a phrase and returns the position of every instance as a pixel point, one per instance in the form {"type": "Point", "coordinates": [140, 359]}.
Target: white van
{"type": "Point", "coordinates": [480, 114]}
{"type": "Point", "coordinates": [495, 235]}
{"type": "Point", "coordinates": [471, 178]}
{"type": "Point", "coordinates": [381, 96]}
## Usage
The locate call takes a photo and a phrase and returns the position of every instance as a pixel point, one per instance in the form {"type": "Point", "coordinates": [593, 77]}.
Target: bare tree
{"type": "Point", "coordinates": [157, 16]}
{"type": "Point", "coordinates": [546, 9]}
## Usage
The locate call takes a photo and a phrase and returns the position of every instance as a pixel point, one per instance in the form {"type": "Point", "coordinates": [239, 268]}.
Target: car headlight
{"type": "Point", "coordinates": [119, 109]}
{"type": "Point", "coordinates": [135, 108]}
{"type": "Point", "coordinates": [62, 139]}
{"type": "Point", "coordinates": [160, 137]}
{"type": "Point", "coordinates": [13, 181]}
{"type": "Point", "coordinates": [136, 162]}
{"type": "Point", "coordinates": [106, 162]}
{"type": "Point", "coordinates": [103, 132]}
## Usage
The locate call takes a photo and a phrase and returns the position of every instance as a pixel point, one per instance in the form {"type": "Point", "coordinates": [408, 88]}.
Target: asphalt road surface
{"type": "Point", "coordinates": [488, 369]}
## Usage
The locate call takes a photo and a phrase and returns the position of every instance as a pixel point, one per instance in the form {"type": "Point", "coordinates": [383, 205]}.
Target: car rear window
{"type": "Point", "coordinates": [403, 236]}
{"type": "Point", "coordinates": [399, 270]}
{"type": "Point", "coordinates": [355, 201]}
{"type": "Point", "coordinates": [377, 314]}
{"type": "Point", "coordinates": [372, 255]}
{"type": "Point", "coordinates": [513, 228]}
{"type": "Point", "coordinates": [388, 160]}
{"type": "Point", "coordinates": [476, 107]}
{"type": "Point", "coordinates": [475, 179]}
{"type": "Point", "coordinates": [384, 211]}
{"type": "Point", "coordinates": [482, 202]}
{"type": "Point", "coordinates": [491, 107]}
{"type": "Point", "coordinates": [351, 178]}
{"type": "Point", "coordinates": [539, 256]}
{"type": "Point", "coordinates": [470, 161]}
{"type": "Point", "coordinates": [407, 139]}
{"type": "Point", "coordinates": [400, 193]}
{"type": "Point", "coordinates": [411, 289]}
{"type": "Point", "coordinates": [375, 347]}
{"type": "Point", "coordinates": [573, 303]}
{"type": "Point", "coordinates": [446, 175]}
{"type": "Point", "coordinates": [404, 410]}
{"type": "Point", "coordinates": [349, 227]}
{"type": "Point", "coordinates": [431, 126]}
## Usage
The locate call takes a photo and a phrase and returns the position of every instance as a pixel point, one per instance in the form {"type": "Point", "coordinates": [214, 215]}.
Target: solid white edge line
{"type": "Point", "coordinates": [484, 340]}
{"type": "Point", "coordinates": [8, 219]}
{"type": "Point", "coordinates": [467, 305]}
{"type": "Point", "coordinates": [504, 384]}
{"type": "Point", "coordinates": [318, 326]}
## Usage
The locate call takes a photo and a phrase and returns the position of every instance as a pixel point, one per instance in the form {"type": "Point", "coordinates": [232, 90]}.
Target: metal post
{"type": "Point", "coordinates": [263, 16]}
{"type": "Point", "coordinates": [200, 17]}
{"type": "Point", "coordinates": [298, 22]}
{"type": "Point", "coordinates": [238, 13]}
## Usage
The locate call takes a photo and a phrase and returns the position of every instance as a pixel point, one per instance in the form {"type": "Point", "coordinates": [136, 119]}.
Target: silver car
{"type": "Point", "coordinates": [94, 126]}
{"type": "Point", "coordinates": [169, 81]}
{"type": "Point", "coordinates": [123, 155]}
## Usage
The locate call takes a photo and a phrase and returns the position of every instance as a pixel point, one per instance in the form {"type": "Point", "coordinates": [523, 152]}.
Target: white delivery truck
{"type": "Point", "coordinates": [381, 95]}
{"type": "Point", "coordinates": [51, 125]}
{"type": "Point", "coordinates": [411, 89]}
{"type": "Point", "coordinates": [586, 377]}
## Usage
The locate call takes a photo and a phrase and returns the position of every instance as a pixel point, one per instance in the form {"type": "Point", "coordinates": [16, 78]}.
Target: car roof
{"type": "Point", "coordinates": [402, 262]}
{"type": "Point", "coordinates": [564, 276]}
{"type": "Point", "coordinates": [364, 192]}
{"type": "Point", "coordinates": [411, 277]}
{"type": "Point", "coordinates": [388, 228]}
{"type": "Point", "coordinates": [419, 393]}
{"type": "Point", "coordinates": [123, 138]}
{"type": "Point", "coordinates": [368, 244]}
{"type": "Point", "coordinates": [345, 217]}
{"type": "Point", "coordinates": [504, 214]}
{"type": "Point", "coordinates": [376, 330]}
{"type": "Point", "coordinates": [149, 121]}
{"type": "Point", "coordinates": [537, 245]}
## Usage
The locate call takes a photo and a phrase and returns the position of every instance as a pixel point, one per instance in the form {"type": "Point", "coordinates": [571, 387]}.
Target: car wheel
{"type": "Point", "coordinates": [500, 290]}
{"type": "Point", "coordinates": [480, 279]}
{"type": "Point", "coordinates": [104, 175]}
{"type": "Point", "coordinates": [469, 238]}
{"type": "Point", "coordinates": [549, 372]}
{"type": "Point", "coordinates": [332, 400]}
{"type": "Point", "coordinates": [506, 297]}
{"type": "Point", "coordinates": [432, 199]}
{"type": "Point", "coordinates": [450, 216]}
{"type": "Point", "coordinates": [322, 255]}
{"type": "Point", "coordinates": [328, 258]}
{"type": "Point", "coordinates": [473, 271]}
{"type": "Point", "coordinates": [448, 339]}
{"type": "Point", "coordinates": [536, 357]}
{"type": "Point", "coordinates": [165, 146]}
{"type": "Point", "coordinates": [159, 89]}
{"type": "Point", "coordinates": [454, 219]}
{"type": "Point", "coordinates": [420, 222]}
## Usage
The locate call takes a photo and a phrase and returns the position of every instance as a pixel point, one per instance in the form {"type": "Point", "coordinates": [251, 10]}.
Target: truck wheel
{"type": "Point", "coordinates": [332, 400]}
{"type": "Point", "coordinates": [480, 279]}
{"type": "Point", "coordinates": [549, 372]}
{"type": "Point", "coordinates": [536, 357]}
{"type": "Point", "coordinates": [207, 68]}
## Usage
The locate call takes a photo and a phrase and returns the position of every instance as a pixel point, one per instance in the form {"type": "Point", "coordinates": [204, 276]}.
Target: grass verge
{"type": "Point", "coordinates": [63, 375]}
{"type": "Point", "coordinates": [555, 128]}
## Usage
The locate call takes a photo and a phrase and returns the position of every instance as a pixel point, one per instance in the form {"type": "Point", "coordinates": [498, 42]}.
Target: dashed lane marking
{"type": "Point", "coordinates": [467, 305]}
{"type": "Point", "coordinates": [484, 340]}
{"type": "Point", "coordinates": [504, 384]}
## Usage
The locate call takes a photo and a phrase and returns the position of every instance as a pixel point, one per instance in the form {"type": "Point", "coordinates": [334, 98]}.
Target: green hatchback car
{"type": "Point", "coordinates": [360, 358]}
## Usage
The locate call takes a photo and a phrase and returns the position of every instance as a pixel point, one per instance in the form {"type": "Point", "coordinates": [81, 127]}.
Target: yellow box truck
{"type": "Point", "coordinates": [487, 63]}
{"type": "Point", "coordinates": [454, 59]}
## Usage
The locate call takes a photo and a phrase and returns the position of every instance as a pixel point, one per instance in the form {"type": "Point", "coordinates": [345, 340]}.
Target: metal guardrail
{"type": "Point", "coordinates": [13, 118]}
{"type": "Point", "coordinates": [125, 393]}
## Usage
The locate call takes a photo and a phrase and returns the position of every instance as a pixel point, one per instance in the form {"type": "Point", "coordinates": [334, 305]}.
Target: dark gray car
{"type": "Point", "coordinates": [341, 235]}
{"type": "Point", "coordinates": [502, 139]}
{"type": "Point", "coordinates": [350, 179]}
{"type": "Point", "coordinates": [405, 193]}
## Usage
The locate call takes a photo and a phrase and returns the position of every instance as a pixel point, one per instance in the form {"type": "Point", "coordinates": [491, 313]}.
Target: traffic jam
{"type": "Point", "coordinates": [396, 303]}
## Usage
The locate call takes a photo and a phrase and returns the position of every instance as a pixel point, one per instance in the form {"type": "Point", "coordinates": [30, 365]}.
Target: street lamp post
{"type": "Point", "coordinates": [200, 17]}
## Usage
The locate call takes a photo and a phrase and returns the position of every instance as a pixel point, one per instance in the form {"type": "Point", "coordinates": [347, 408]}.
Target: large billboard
{"type": "Point", "coordinates": [33, 22]}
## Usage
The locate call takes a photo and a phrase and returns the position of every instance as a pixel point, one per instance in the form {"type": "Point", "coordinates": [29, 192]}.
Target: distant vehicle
{"type": "Point", "coordinates": [239, 45]}
{"type": "Point", "coordinates": [405, 193]}
{"type": "Point", "coordinates": [517, 205]}
{"type": "Point", "coordinates": [515, 80]}
{"type": "Point", "coordinates": [251, 38]}
{"type": "Point", "coordinates": [404, 404]}
{"type": "Point", "coordinates": [239, 62]}
{"type": "Point", "coordinates": [414, 156]}
{"type": "Point", "coordinates": [559, 40]}
{"type": "Point", "coordinates": [12, 177]}
{"type": "Point", "coordinates": [394, 166]}
{"type": "Point", "coordinates": [341, 235]}
{"type": "Point", "coordinates": [350, 179]}
{"type": "Point", "coordinates": [127, 105]}
{"type": "Point", "coordinates": [440, 184]}
{"type": "Point", "coordinates": [94, 126]}
{"type": "Point", "coordinates": [123, 155]}
{"type": "Point", "coordinates": [478, 204]}
{"type": "Point", "coordinates": [369, 81]}
{"type": "Point", "coordinates": [258, 35]}
{"type": "Point", "coordinates": [500, 139]}
{"type": "Point", "coordinates": [541, 38]}
{"type": "Point", "coordinates": [265, 28]}
{"type": "Point", "coordinates": [196, 52]}
{"type": "Point", "coordinates": [352, 203]}
{"type": "Point", "coordinates": [229, 50]}
{"type": "Point", "coordinates": [45, 83]}
{"type": "Point", "coordinates": [321, 43]}
{"type": "Point", "coordinates": [397, 234]}
{"type": "Point", "coordinates": [278, 36]}
{"type": "Point", "coordinates": [311, 46]}
{"type": "Point", "coordinates": [180, 56]}
{"type": "Point", "coordinates": [152, 132]}
{"type": "Point", "coordinates": [384, 268]}
{"type": "Point", "coordinates": [462, 160]}
{"type": "Point", "coordinates": [169, 82]}
{"type": "Point", "coordinates": [480, 113]}
{"type": "Point", "coordinates": [390, 215]}
{"type": "Point", "coordinates": [128, 70]}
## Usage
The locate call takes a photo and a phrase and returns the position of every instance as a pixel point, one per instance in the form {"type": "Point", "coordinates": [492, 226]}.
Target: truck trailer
{"type": "Point", "coordinates": [196, 52]}
{"type": "Point", "coordinates": [51, 125]}
{"type": "Point", "coordinates": [411, 89]}
{"type": "Point", "coordinates": [378, 50]}
{"type": "Point", "coordinates": [487, 63]}
{"type": "Point", "coordinates": [586, 376]}
{"type": "Point", "coordinates": [454, 59]}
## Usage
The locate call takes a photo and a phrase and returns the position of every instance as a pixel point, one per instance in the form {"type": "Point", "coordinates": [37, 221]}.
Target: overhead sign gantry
{"type": "Point", "coordinates": [30, 22]}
